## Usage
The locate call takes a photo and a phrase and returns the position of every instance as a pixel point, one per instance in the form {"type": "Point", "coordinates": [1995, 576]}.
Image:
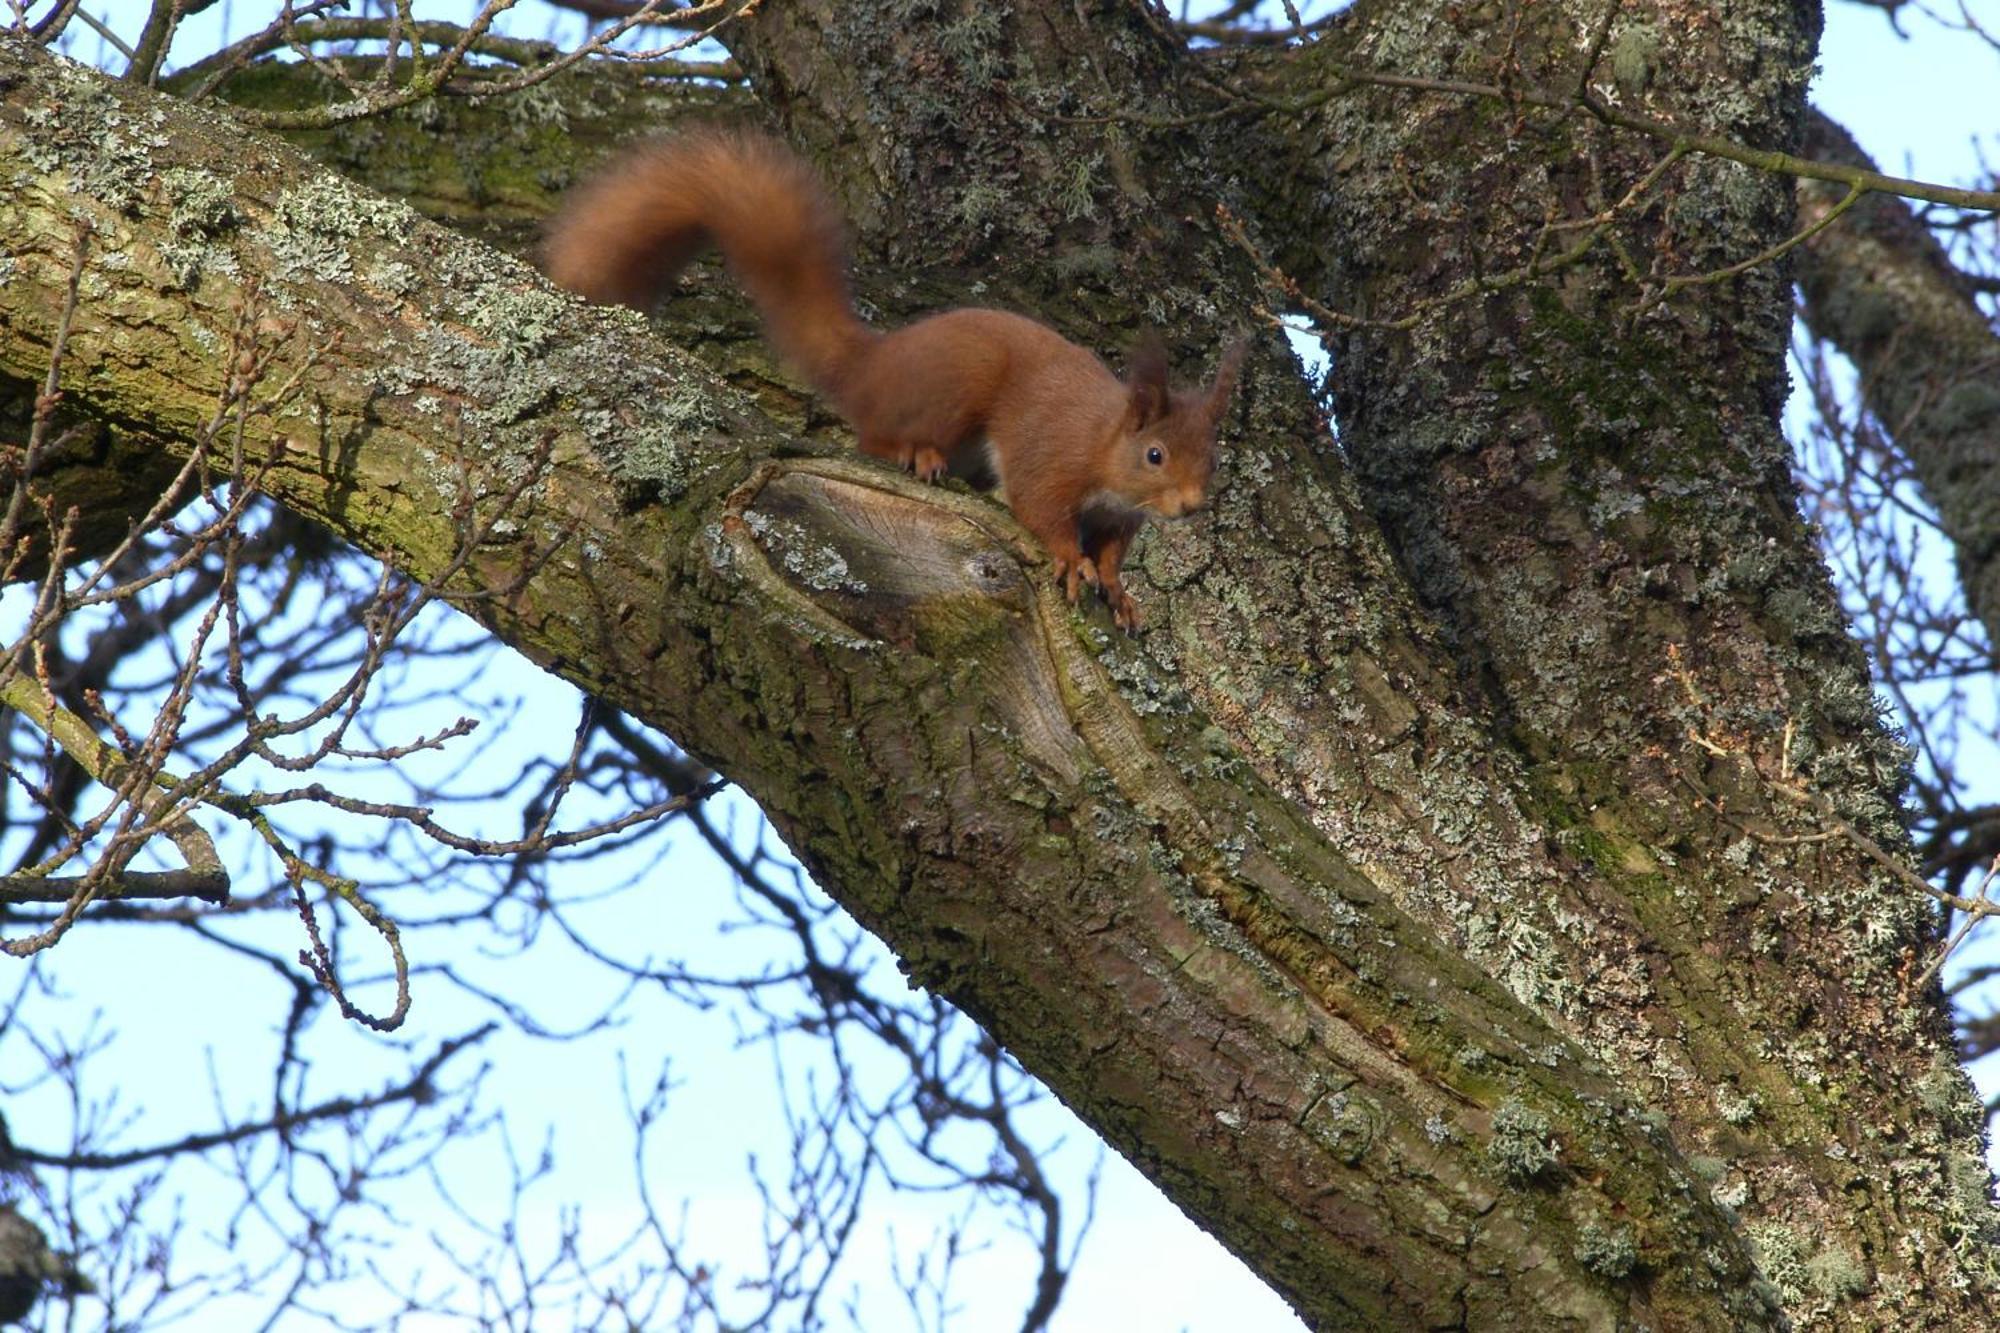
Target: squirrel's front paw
{"type": "Point", "coordinates": [1124, 611]}
{"type": "Point", "coordinates": [1075, 575]}
{"type": "Point", "coordinates": [929, 464]}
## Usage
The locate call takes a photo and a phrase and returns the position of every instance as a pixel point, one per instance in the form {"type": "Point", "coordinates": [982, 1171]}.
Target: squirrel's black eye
{"type": "Point", "coordinates": [1155, 456]}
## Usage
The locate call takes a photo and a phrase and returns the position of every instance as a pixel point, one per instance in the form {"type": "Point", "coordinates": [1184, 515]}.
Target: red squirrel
{"type": "Point", "coordinates": [1082, 458]}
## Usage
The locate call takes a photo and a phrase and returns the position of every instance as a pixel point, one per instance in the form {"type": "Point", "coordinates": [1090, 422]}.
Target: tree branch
{"type": "Point", "coordinates": [1883, 291]}
{"type": "Point", "coordinates": [420, 1085]}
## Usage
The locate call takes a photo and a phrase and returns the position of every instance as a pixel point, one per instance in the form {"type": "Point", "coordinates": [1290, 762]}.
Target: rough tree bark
{"type": "Point", "coordinates": [1430, 903]}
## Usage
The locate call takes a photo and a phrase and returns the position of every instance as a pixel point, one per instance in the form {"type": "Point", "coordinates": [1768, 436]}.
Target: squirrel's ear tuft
{"type": "Point", "coordinates": [1146, 382]}
{"type": "Point", "coordinates": [1225, 379]}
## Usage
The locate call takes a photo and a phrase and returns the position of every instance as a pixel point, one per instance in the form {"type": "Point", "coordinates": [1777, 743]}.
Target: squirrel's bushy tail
{"type": "Point", "coordinates": [624, 235]}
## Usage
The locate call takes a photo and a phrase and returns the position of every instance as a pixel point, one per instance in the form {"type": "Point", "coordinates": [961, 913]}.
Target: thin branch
{"type": "Point", "coordinates": [416, 1088]}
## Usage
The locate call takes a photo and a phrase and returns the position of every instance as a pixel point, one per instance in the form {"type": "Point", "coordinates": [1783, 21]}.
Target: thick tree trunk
{"type": "Point", "coordinates": [1441, 975]}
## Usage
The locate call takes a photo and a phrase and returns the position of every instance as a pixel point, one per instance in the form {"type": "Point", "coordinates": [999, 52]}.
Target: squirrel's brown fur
{"type": "Point", "coordinates": [1082, 458]}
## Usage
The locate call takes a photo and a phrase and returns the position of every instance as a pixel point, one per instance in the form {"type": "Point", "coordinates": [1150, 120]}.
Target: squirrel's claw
{"type": "Point", "coordinates": [1074, 575]}
{"type": "Point", "coordinates": [1124, 611]}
